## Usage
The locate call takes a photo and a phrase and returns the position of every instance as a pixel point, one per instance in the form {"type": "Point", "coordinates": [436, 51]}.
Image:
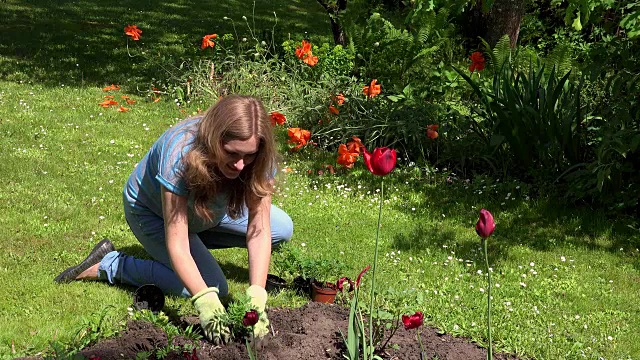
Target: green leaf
{"type": "Point", "coordinates": [576, 22]}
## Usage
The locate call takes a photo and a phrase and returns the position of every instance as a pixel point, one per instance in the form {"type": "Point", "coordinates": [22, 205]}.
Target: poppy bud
{"type": "Point", "coordinates": [250, 318]}
{"type": "Point", "coordinates": [381, 162]}
{"type": "Point", "coordinates": [412, 321]}
{"type": "Point", "coordinates": [485, 225]}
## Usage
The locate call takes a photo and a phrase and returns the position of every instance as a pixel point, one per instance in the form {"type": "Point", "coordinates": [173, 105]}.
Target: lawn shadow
{"type": "Point", "coordinates": [423, 237]}
{"type": "Point", "coordinates": [542, 225]}
{"type": "Point", "coordinates": [82, 43]}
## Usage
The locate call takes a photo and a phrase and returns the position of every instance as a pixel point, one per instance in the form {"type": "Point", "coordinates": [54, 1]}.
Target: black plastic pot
{"type": "Point", "coordinates": [302, 285]}
{"type": "Point", "coordinates": [148, 297]}
{"type": "Point", "coordinates": [275, 283]}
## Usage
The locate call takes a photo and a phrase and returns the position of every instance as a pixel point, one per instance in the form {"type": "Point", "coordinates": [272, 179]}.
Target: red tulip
{"type": "Point", "coordinates": [250, 318]}
{"type": "Point", "coordinates": [381, 162]}
{"type": "Point", "coordinates": [412, 321]}
{"type": "Point", "coordinates": [340, 284]}
{"type": "Point", "coordinates": [485, 225]}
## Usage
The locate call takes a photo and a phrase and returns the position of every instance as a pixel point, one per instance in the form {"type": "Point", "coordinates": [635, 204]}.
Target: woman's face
{"type": "Point", "coordinates": [236, 154]}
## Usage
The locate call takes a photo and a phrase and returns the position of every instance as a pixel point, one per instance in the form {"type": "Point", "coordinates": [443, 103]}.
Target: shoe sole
{"type": "Point", "coordinates": [97, 253]}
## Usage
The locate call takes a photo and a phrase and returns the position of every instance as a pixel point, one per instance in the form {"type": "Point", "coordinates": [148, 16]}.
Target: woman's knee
{"type": "Point", "coordinates": [281, 229]}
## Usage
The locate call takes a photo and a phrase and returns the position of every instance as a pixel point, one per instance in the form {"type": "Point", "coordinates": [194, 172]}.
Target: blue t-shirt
{"type": "Point", "coordinates": [162, 166]}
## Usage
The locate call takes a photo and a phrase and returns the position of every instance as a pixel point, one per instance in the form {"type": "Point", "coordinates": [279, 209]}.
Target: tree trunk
{"type": "Point", "coordinates": [504, 18]}
{"type": "Point", "coordinates": [338, 33]}
{"type": "Point", "coordinates": [333, 10]}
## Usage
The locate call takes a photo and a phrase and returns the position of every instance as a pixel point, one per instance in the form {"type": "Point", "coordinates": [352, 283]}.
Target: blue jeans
{"type": "Point", "coordinates": [117, 267]}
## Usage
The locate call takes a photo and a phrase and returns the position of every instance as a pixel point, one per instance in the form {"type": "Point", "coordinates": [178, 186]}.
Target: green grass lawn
{"type": "Point", "coordinates": [566, 280]}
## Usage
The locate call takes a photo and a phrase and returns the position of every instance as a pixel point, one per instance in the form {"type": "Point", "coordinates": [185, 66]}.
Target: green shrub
{"type": "Point", "coordinates": [532, 120]}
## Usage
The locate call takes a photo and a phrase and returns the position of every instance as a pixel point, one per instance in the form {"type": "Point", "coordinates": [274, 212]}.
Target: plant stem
{"type": "Point", "coordinates": [375, 262]}
{"type": "Point", "coordinates": [486, 261]}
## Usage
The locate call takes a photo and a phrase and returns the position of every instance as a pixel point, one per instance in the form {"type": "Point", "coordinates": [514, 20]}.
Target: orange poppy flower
{"type": "Point", "coordinates": [130, 101]}
{"type": "Point", "coordinates": [345, 157]}
{"type": "Point", "coordinates": [206, 41]}
{"type": "Point", "coordinates": [107, 103]}
{"type": "Point", "coordinates": [133, 31]}
{"type": "Point", "coordinates": [355, 146]}
{"type": "Point", "coordinates": [277, 118]}
{"type": "Point", "coordinates": [156, 99]}
{"type": "Point", "coordinates": [477, 62]}
{"type": "Point", "coordinates": [339, 99]}
{"type": "Point", "coordinates": [111, 87]}
{"type": "Point", "coordinates": [304, 50]}
{"type": "Point", "coordinates": [123, 109]}
{"type": "Point", "coordinates": [431, 132]}
{"type": "Point", "coordinates": [299, 137]}
{"type": "Point", "coordinates": [310, 59]}
{"type": "Point", "coordinates": [334, 110]}
{"type": "Point", "coordinates": [372, 90]}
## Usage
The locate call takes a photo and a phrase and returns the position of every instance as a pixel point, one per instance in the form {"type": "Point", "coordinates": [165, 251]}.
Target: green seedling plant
{"type": "Point", "coordinates": [162, 321]}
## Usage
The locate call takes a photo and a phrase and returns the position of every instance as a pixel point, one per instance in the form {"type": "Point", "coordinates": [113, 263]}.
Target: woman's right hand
{"type": "Point", "coordinates": [212, 315]}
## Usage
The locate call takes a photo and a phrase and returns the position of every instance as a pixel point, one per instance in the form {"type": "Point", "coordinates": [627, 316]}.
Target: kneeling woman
{"type": "Point", "coordinates": [206, 183]}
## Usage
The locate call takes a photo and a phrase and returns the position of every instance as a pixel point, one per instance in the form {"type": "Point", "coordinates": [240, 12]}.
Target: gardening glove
{"type": "Point", "coordinates": [258, 296]}
{"type": "Point", "coordinates": [212, 315]}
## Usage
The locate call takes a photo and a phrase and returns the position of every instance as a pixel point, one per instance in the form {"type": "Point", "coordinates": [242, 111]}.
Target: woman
{"type": "Point", "coordinates": [205, 184]}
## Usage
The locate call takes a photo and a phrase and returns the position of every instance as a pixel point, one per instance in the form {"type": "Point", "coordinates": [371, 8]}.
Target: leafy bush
{"type": "Point", "coordinates": [613, 177]}
{"type": "Point", "coordinates": [533, 120]}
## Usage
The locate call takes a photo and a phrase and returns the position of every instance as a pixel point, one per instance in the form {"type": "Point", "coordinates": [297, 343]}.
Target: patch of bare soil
{"type": "Point", "coordinates": [307, 333]}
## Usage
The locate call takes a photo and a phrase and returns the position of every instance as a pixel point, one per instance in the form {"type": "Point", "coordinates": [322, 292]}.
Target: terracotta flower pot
{"type": "Point", "coordinates": [323, 292]}
{"type": "Point", "coordinates": [275, 283]}
{"type": "Point", "coordinates": [148, 297]}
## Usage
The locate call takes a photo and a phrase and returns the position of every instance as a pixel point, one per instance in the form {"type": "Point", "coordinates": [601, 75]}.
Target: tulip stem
{"type": "Point", "coordinates": [486, 260]}
{"type": "Point", "coordinates": [375, 262]}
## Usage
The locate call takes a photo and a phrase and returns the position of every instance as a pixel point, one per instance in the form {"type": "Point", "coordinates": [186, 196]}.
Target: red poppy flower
{"type": "Point", "coordinates": [381, 162]}
{"type": "Point", "coordinates": [477, 62]}
{"type": "Point", "coordinates": [330, 168]}
{"type": "Point", "coordinates": [360, 275]}
{"type": "Point", "coordinates": [355, 146]}
{"type": "Point", "coordinates": [304, 50]}
{"type": "Point", "coordinates": [345, 157]}
{"type": "Point", "coordinates": [334, 110]}
{"type": "Point", "coordinates": [412, 321]}
{"type": "Point", "coordinates": [111, 87]}
{"type": "Point", "coordinates": [250, 318]}
{"type": "Point", "coordinates": [206, 41]}
{"type": "Point", "coordinates": [339, 99]}
{"type": "Point", "coordinates": [431, 131]}
{"type": "Point", "coordinates": [133, 31]}
{"type": "Point", "coordinates": [299, 137]}
{"type": "Point", "coordinates": [277, 118]}
{"type": "Point", "coordinates": [485, 225]}
{"type": "Point", "coordinates": [107, 103]}
{"type": "Point", "coordinates": [372, 90]}
{"type": "Point", "coordinates": [310, 60]}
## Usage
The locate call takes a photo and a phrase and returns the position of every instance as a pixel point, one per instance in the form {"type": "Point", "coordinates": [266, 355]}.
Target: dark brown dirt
{"type": "Point", "coordinates": [310, 332]}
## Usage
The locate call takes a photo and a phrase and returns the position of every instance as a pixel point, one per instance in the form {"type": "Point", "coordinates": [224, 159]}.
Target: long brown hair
{"type": "Point", "coordinates": [234, 117]}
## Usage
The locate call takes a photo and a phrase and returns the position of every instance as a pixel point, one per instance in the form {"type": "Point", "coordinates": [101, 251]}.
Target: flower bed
{"type": "Point", "coordinates": [310, 332]}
